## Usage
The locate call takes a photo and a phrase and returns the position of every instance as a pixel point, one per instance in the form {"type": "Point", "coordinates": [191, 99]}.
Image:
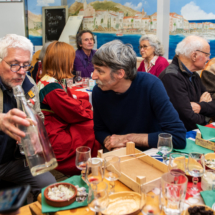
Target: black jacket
{"type": "Point", "coordinates": [182, 91]}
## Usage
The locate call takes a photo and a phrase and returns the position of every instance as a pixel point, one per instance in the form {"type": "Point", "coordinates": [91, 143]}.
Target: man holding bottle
{"type": "Point", "coordinates": [15, 56]}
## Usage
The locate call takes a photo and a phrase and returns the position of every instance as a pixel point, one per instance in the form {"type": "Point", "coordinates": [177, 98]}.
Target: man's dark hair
{"type": "Point", "coordinates": [78, 37]}
{"type": "Point", "coordinates": [116, 56]}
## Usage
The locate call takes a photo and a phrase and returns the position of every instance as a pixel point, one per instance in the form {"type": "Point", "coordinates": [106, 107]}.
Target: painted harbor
{"type": "Point", "coordinates": [133, 39]}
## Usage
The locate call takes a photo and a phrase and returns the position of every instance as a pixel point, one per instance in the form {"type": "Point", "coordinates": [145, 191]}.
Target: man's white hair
{"type": "Point", "coordinates": [190, 44]}
{"type": "Point", "coordinates": [14, 41]}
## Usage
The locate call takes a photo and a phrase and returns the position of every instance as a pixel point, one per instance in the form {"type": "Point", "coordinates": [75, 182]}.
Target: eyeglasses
{"type": "Point", "coordinates": [143, 47]}
{"type": "Point", "coordinates": [17, 67]}
{"type": "Point", "coordinates": [207, 54]}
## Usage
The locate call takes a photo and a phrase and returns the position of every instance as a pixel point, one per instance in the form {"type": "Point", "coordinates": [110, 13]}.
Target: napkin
{"type": "Point", "coordinates": [208, 197]}
{"type": "Point", "coordinates": [192, 147]}
{"type": "Point", "coordinates": [75, 180]}
{"type": "Point", "coordinates": [207, 133]}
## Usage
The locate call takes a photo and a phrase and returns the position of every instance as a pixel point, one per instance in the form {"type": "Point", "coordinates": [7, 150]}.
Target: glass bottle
{"type": "Point", "coordinates": [36, 146]}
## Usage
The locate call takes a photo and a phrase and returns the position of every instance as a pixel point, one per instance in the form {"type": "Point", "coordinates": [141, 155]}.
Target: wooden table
{"type": "Point", "coordinates": [77, 211]}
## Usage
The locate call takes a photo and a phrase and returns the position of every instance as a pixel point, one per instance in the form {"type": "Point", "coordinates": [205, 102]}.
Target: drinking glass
{"type": "Point", "coordinates": [85, 82]}
{"type": "Point", "coordinates": [78, 79]}
{"type": "Point", "coordinates": [94, 172]}
{"type": "Point", "coordinates": [83, 153]}
{"type": "Point", "coordinates": [98, 197]}
{"type": "Point", "coordinates": [196, 168]}
{"type": "Point", "coordinates": [164, 145]}
{"type": "Point", "coordinates": [150, 199]}
{"type": "Point", "coordinates": [178, 163]}
{"type": "Point", "coordinates": [112, 170]}
{"type": "Point", "coordinates": [174, 187]}
{"type": "Point", "coordinates": [69, 82]}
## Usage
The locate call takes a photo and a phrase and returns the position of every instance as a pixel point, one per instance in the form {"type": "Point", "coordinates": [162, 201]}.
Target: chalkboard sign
{"type": "Point", "coordinates": [54, 20]}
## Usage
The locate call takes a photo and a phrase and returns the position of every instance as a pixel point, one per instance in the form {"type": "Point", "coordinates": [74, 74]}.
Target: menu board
{"type": "Point", "coordinates": [54, 20]}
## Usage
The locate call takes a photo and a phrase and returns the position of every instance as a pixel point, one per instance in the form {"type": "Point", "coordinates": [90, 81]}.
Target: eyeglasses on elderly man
{"type": "Point", "coordinates": [17, 67]}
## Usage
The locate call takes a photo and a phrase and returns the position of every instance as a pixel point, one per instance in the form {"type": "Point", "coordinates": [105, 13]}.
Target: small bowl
{"type": "Point", "coordinates": [206, 208]}
{"type": "Point", "coordinates": [209, 156]}
{"type": "Point", "coordinates": [60, 203]}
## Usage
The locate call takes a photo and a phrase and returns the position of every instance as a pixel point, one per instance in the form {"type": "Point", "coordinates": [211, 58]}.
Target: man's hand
{"type": "Point", "coordinates": [196, 107]}
{"type": "Point", "coordinates": [205, 97]}
{"type": "Point", "coordinates": [8, 123]}
{"type": "Point", "coordinates": [115, 141]}
{"type": "Point", "coordinates": [118, 141]}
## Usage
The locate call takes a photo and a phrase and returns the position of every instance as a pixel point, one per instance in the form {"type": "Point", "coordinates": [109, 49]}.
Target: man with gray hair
{"type": "Point", "coordinates": [183, 84]}
{"type": "Point", "coordinates": [130, 106]}
{"type": "Point", "coordinates": [15, 57]}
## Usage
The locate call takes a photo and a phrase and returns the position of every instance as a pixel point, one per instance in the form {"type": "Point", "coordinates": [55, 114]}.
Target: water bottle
{"type": "Point", "coordinates": [36, 146]}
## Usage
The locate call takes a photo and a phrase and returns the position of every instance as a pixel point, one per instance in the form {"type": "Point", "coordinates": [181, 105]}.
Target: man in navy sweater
{"type": "Point", "coordinates": [130, 106]}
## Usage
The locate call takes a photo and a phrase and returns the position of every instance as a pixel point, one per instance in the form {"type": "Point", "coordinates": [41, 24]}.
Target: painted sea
{"type": "Point", "coordinates": [132, 39]}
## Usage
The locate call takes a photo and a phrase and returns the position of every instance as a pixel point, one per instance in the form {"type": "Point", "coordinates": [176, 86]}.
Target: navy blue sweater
{"type": "Point", "coordinates": [144, 108]}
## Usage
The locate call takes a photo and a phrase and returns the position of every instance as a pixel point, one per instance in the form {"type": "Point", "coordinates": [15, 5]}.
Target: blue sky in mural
{"type": "Point", "coordinates": [190, 9]}
{"type": "Point", "coordinates": [193, 10]}
{"type": "Point", "coordinates": [36, 6]}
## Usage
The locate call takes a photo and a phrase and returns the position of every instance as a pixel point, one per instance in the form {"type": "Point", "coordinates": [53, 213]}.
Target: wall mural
{"type": "Point", "coordinates": [127, 21]}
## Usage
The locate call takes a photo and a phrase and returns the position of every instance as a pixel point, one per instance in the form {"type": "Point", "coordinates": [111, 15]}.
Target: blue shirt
{"type": "Point", "coordinates": [144, 108]}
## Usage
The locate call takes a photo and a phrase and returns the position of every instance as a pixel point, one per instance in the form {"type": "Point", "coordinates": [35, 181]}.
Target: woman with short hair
{"type": "Point", "coordinates": [152, 52]}
{"type": "Point", "coordinates": [68, 121]}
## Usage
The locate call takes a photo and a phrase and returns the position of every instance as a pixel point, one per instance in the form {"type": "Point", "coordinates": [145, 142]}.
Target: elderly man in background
{"type": "Point", "coordinates": [15, 57]}
{"type": "Point", "coordinates": [130, 106]}
{"type": "Point", "coordinates": [183, 84]}
{"type": "Point", "coordinates": [83, 56]}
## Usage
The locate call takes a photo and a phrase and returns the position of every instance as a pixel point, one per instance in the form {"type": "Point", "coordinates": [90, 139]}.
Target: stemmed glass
{"type": "Point", "coordinates": [94, 172]}
{"type": "Point", "coordinates": [196, 168]}
{"type": "Point", "coordinates": [150, 199]}
{"type": "Point", "coordinates": [165, 145]}
{"type": "Point", "coordinates": [177, 163]}
{"type": "Point", "coordinates": [112, 170]}
{"type": "Point", "coordinates": [83, 153]}
{"type": "Point", "coordinates": [98, 197]}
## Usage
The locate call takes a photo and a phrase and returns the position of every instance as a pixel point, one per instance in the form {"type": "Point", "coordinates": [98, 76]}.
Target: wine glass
{"type": "Point", "coordinates": [94, 172]}
{"type": "Point", "coordinates": [83, 153]}
{"type": "Point", "coordinates": [112, 170]}
{"type": "Point", "coordinates": [165, 145]}
{"type": "Point", "coordinates": [150, 199]}
{"type": "Point", "coordinates": [178, 163]}
{"type": "Point", "coordinates": [98, 197]}
{"type": "Point", "coordinates": [196, 168]}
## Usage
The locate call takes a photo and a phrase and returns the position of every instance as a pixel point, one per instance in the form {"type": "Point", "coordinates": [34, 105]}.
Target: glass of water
{"type": "Point", "coordinates": [196, 168]}
{"type": "Point", "coordinates": [112, 170]}
{"type": "Point", "coordinates": [98, 197]}
{"type": "Point", "coordinates": [165, 145]}
{"type": "Point", "coordinates": [174, 187]}
{"type": "Point", "coordinates": [150, 199]}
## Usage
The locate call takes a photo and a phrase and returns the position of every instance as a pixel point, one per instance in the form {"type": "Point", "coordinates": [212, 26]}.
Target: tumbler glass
{"type": "Point", "coordinates": [69, 82]}
{"type": "Point", "coordinates": [174, 187]}
{"type": "Point", "coordinates": [150, 199]}
{"type": "Point", "coordinates": [85, 82]}
{"type": "Point", "coordinates": [78, 79]}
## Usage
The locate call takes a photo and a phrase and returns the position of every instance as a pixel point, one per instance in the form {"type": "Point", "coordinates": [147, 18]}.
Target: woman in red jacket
{"type": "Point", "coordinates": [68, 121]}
{"type": "Point", "coordinates": [152, 52]}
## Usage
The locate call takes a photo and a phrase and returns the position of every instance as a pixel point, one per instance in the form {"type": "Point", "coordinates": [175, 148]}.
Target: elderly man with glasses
{"type": "Point", "coordinates": [15, 57]}
{"type": "Point", "coordinates": [183, 85]}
